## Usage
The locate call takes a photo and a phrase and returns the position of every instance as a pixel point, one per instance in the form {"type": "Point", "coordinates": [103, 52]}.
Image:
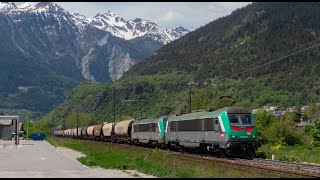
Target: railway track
{"type": "Point", "coordinates": [304, 168]}
{"type": "Point", "coordinates": [301, 169]}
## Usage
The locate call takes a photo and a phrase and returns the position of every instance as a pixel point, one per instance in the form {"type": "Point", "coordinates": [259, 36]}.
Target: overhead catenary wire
{"type": "Point", "coordinates": [278, 59]}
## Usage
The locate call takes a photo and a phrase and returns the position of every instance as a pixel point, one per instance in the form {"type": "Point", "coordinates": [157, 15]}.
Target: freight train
{"type": "Point", "coordinates": [226, 131]}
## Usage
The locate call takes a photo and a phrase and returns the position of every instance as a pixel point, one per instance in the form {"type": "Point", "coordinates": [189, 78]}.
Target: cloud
{"type": "Point", "coordinates": [171, 16]}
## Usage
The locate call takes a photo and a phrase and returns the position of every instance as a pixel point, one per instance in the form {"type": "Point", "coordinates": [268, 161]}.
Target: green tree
{"type": "Point", "coordinates": [315, 132]}
{"type": "Point", "coordinates": [263, 120]}
{"type": "Point", "coordinates": [307, 129]}
{"type": "Point", "coordinates": [292, 116]}
{"type": "Point", "coordinates": [284, 132]}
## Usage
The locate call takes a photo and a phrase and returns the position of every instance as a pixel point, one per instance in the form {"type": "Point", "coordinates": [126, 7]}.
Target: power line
{"type": "Point", "coordinates": [275, 60]}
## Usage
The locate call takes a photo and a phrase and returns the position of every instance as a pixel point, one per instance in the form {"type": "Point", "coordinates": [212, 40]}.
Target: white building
{"type": "Point", "coordinates": [304, 108]}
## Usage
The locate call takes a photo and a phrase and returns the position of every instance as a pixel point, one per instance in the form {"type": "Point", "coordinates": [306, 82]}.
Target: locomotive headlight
{"type": "Point", "coordinates": [253, 136]}
{"type": "Point", "coordinates": [233, 136]}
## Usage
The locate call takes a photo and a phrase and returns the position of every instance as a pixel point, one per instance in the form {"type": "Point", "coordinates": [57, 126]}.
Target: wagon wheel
{"type": "Point", "coordinates": [223, 152]}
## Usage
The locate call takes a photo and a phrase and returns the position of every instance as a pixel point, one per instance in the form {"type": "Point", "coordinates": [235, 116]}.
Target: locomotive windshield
{"type": "Point", "coordinates": [240, 119]}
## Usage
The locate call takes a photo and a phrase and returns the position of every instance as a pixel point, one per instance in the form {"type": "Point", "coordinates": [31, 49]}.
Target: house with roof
{"type": "Point", "coordinates": [8, 125]}
{"type": "Point", "coordinates": [292, 109]}
{"type": "Point", "coordinates": [304, 108]}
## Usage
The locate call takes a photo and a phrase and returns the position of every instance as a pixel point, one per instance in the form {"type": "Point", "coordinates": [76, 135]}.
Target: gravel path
{"type": "Point", "coordinates": [38, 159]}
{"type": "Point", "coordinates": [72, 154]}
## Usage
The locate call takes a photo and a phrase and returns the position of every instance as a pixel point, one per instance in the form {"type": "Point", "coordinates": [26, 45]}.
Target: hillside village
{"type": "Point", "coordinates": [299, 111]}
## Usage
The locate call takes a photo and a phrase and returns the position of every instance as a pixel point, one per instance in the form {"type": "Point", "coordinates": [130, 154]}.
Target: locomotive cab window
{"type": "Point", "coordinates": [240, 119]}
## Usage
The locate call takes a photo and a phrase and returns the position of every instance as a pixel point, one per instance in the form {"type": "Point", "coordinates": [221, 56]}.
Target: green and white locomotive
{"type": "Point", "coordinates": [149, 131]}
{"type": "Point", "coordinates": [229, 130]}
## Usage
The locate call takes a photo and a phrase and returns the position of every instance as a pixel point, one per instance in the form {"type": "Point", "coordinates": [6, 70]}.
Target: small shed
{"type": "Point", "coordinates": [6, 129]}
{"type": "Point", "coordinates": [9, 127]}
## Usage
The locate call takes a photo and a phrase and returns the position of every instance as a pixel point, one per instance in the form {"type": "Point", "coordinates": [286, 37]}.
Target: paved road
{"type": "Point", "coordinates": [39, 159]}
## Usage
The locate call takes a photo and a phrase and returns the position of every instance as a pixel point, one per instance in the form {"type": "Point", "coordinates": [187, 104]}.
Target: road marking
{"type": "Point", "coordinates": [43, 158]}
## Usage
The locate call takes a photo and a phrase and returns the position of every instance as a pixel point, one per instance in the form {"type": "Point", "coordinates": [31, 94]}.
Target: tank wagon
{"type": "Point", "coordinates": [84, 134]}
{"type": "Point", "coordinates": [90, 133]}
{"type": "Point", "coordinates": [60, 133]}
{"type": "Point", "coordinates": [97, 132]}
{"type": "Point", "coordinates": [122, 131]}
{"type": "Point", "coordinates": [75, 131]}
{"type": "Point", "coordinates": [228, 131]}
{"type": "Point", "coordinates": [107, 131]}
{"type": "Point", "coordinates": [67, 132]}
{"type": "Point", "coordinates": [79, 132]}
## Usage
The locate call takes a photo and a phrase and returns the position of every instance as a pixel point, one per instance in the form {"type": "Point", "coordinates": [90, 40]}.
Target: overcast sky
{"type": "Point", "coordinates": [190, 15]}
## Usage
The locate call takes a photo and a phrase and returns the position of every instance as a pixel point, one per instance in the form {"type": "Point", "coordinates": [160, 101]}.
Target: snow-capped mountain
{"type": "Point", "coordinates": [48, 7]}
{"type": "Point", "coordinates": [122, 28]}
{"type": "Point", "coordinates": [7, 6]}
{"type": "Point", "coordinates": [46, 29]}
{"type": "Point", "coordinates": [107, 21]}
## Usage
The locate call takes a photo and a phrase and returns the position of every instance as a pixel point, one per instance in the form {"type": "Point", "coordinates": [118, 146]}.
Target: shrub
{"type": "Point", "coordinates": [261, 154]}
{"type": "Point", "coordinates": [315, 133]}
{"type": "Point", "coordinates": [284, 132]}
{"type": "Point", "coordinates": [276, 148]}
{"type": "Point", "coordinates": [263, 121]}
{"type": "Point", "coordinates": [307, 129]}
{"type": "Point", "coordinates": [289, 158]}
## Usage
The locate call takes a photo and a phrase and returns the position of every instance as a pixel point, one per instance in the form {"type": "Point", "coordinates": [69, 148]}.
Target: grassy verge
{"type": "Point", "coordinates": [153, 162]}
{"type": "Point", "coordinates": [297, 153]}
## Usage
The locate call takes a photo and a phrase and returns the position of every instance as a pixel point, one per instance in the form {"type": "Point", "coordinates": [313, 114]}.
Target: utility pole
{"type": "Point", "coordinates": [27, 128]}
{"type": "Point", "coordinates": [190, 99]}
{"type": "Point", "coordinates": [190, 86]}
{"type": "Point", "coordinates": [140, 106]}
{"type": "Point", "coordinates": [77, 118]}
{"type": "Point", "coordinates": [113, 112]}
{"type": "Point", "coordinates": [114, 105]}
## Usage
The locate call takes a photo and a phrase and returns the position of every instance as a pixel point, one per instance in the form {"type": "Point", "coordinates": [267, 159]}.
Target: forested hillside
{"type": "Point", "coordinates": [245, 39]}
{"type": "Point", "coordinates": [262, 54]}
